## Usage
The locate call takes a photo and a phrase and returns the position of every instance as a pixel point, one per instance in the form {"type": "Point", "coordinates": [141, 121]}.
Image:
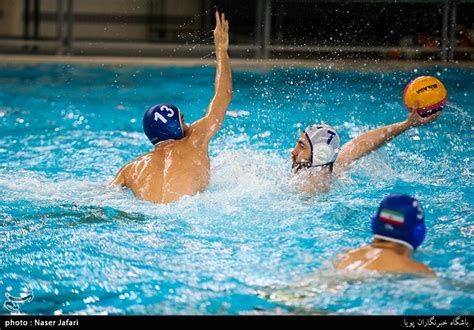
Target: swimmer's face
{"type": "Point", "coordinates": [301, 153]}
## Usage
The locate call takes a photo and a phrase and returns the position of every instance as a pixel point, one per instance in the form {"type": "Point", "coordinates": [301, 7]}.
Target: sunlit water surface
{"type": "Point", "coordinates": [251, 243]}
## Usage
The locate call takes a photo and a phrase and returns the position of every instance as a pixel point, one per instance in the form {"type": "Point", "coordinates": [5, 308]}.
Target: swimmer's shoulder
{"type": "Point", "coordinates": [419, 268]}
{"type": "Point", "coordinates": [196, 136]}
{"type": "Point", "coordinates": [121, 176]}
{"type": "Point", "coordinates": [393, 262]}
{"type": "Point", "coordinates": [128, 168]}
{"type": "Point", "coordinates": [189, 146]}
{"type": "Point", "coordinates": [349, 256]}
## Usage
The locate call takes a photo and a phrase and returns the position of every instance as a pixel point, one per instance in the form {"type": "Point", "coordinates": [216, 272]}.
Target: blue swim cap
{"type": "Point", "coordinates": [163, 122]}
{"type": "Point", "coordinates": [400, 218]}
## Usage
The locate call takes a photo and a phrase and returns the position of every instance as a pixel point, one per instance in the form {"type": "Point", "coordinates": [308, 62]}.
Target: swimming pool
{"type": "Point", "coordinates": [251, 244]}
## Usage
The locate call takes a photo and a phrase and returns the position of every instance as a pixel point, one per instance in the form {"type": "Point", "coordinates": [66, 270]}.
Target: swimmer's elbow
{"type": "Point", "coordinates": [225, 96]}
{"type": "Point", "coordinates": [116, 183]}
{"type": "Point", "coordinates": [428, 271]}
{"type": "Point", "coordinates": [229, 97]}
{"type": "Point", "coordinates": [119, 180]}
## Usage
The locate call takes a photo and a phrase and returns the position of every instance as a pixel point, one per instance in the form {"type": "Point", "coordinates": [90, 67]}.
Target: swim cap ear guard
{"type": "Point", "coordinates": [321, 154]}
{"type": "Point", "coordinates": [324, 142]}
{"type": "Point", "coordinates": [163, 122]}
{"type": "Point", "coordinates": [400, 219]}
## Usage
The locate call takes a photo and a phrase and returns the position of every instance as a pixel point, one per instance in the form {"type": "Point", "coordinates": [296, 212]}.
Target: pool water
{"type": "Point", "coordinates": [250, 244]}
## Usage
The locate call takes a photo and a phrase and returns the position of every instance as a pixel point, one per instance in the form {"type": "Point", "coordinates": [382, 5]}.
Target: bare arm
{"type": "Point", "coordinates": [204, 129]}
{"type": "Point", "coordinates": [372, 140]}
{"type": "Point", "coordinates": [119, 179]}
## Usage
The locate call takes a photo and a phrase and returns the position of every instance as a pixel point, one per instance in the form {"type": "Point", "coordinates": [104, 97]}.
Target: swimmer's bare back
{"type": "Point", "coordinates": [172, 170]}
{"type": "Point", "coordinates": [176, 168]}
{"type": "Point", "coordinates": [384, 260]}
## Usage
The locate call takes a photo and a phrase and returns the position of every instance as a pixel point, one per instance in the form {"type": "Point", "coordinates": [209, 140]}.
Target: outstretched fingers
{"type": "Point", "coordinates": [218, 20]}
{"type": "Point", "coordinates": [221, 22]}
{"type": "Point", "coordinates": [416, 119]}
{"type": "Point", "coordinates": [430, 118]}
{"type": "Point", "coordinates": [226, 24]}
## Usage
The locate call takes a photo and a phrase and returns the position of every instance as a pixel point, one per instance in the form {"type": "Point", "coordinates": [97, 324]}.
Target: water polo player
{"type": "Point", "coordinates": [318, 154]}
{"type": "Point", "coordinates": [398, 228]}
{"type": "Point", "coordinates": [179, 164]}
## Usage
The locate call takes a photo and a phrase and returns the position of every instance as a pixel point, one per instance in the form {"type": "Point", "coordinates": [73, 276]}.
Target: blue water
{"type": "Point", "coordinates": [251, 243]}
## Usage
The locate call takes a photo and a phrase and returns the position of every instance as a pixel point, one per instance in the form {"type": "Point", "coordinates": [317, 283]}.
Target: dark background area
{"type": "Point", "coordinates": [343, 23]}
{"type": "Point", "coordinates": [439, 30]}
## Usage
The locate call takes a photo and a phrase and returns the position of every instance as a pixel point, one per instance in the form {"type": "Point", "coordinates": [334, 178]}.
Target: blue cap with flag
{"type": "Point", "coordinates": [400, 219]}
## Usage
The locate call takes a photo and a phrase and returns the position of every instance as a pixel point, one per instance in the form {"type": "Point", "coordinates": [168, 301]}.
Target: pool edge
{"type": "Point", "coordinates": [237, 63]}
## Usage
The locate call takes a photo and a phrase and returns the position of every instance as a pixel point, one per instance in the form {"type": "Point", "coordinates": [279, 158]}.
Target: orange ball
{"type": "Point", "coordinates": [426, 95]}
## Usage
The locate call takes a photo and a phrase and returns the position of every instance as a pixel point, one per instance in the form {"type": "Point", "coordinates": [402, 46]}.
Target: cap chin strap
{"type": "Point", "coordinates": [322, 165]}
{"type": "Point", "coordinates": [307, 164]}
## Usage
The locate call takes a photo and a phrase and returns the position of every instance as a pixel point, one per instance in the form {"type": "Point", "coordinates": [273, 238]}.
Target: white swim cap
{"type": "Point", "coordinates": [324, 143]}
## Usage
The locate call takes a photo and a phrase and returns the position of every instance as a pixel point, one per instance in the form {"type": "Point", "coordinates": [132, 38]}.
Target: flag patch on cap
{"type": "Point", "coordinates": [392, 217]}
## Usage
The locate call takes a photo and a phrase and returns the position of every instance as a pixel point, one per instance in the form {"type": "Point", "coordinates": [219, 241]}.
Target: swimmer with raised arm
{"type": "Point", "coordinates": [179, 164]}
{"type": "Point", "coordinates": [317, 154]}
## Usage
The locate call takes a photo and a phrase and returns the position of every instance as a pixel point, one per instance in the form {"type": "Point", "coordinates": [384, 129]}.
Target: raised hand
{"type": "Point", "coordinates": [221, 33]}
{"type": "Point", "coordinates": [416, 120]}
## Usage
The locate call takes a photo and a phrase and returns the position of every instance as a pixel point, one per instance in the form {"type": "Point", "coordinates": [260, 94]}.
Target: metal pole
{"type": "Point", "coordinates": [258, 28]}
{"type": "Point", "coordinates": [163, 28]}
{"type": "Point", "coordinates": [444, 32]}
{"type": "Point", "coordinates": [151, 11]}
{"type": "Point", "coordinates": [70, 25]}
{"type": "Point", "coordinates": [26, 19]}
{"type": "Point", "coordinates": [279, 22]}
{"type": "Point", "coordinates": [36, 18]}
{"type": "Point", "coordinates": [267, 29]}
{"type": "Point", "coordinates": [452, 37]}
{"type": "Point", "coordinates": [59, 27]}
